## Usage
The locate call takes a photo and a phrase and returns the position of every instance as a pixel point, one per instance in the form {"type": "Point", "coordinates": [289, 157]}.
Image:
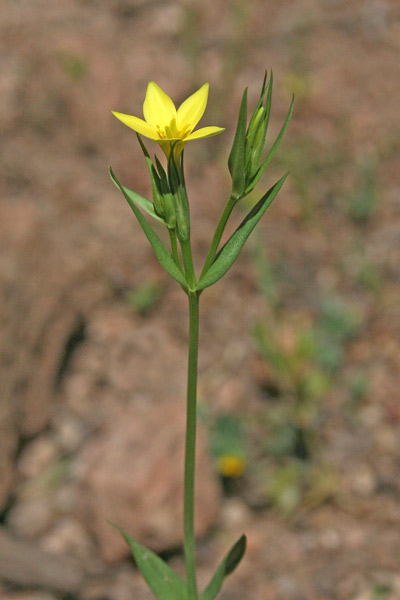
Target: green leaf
{"type": "Point", "coordinates": [157, 244]}
{"type": "Point", "coordinates": [133, 197]}
{"type": "Point", "coordinates": [272, 151]}
{"type": "Point", "coordinates": [227, 566]}
{"type": "Point", "coordinates": [236, 160]}
{"type": "Point", "coordinates": [230, 251]}
{"type": "Point", "coordinates": [161, 579]}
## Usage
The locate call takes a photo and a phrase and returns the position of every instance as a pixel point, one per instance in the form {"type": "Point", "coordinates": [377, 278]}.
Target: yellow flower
{"type": "Point", "coordinates": [167, 125]}
{"type": "Point", "coordinates": [231, 465]}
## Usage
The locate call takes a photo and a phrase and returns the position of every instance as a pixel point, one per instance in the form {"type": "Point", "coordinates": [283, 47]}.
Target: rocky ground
{"type": "Point", "coordinates": [93, 333]}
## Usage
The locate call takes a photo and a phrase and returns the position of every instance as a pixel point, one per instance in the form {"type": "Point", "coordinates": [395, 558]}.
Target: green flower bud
{"type": "Point", "coordinates": [158, 199]}
{"type": "Point", "coordinates": [179, 196]}
{"type": "Point", "coordinates": [170, 216]}
{"type": "Point", "coordinates": [255, 128]}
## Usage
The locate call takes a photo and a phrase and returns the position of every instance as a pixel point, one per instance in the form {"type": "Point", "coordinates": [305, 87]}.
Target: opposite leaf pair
{"type": "Point", "coordinates": [168, 585]}
{"type": "Point", "coordinates": [228, 253]}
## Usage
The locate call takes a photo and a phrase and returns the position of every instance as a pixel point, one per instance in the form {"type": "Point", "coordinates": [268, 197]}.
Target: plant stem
{"type": "Point", "coordinates": [190, 447]}
{"type": "Point", "coordinates": [174, 248]}
{"type": "Point", "coordinates": [218, 234]}
{"type": "Point", "coordinates": [188, 263]}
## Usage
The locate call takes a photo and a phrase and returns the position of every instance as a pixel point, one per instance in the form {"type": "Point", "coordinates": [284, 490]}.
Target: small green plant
{"type": "Point", "coordinates": [381, 591]}
{"type": "Point", "coordinates": [228, 445]}
{"type": "Point", "coordinates": [73, 65]}
{"type": "Point", "coordinates": [303, 357]}
{"type": "Point", "coordinates": [172, 128]}
{"type": "Point", "coordinates": [144, 298]}
{"type": "Point", "coordinates": [267, 279]}
{"type": "Point", "coordinates": [362, 204]}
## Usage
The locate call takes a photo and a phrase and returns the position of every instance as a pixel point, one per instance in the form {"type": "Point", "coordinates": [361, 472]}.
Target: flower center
{"type": "Point", "coordinates": [171, 131]}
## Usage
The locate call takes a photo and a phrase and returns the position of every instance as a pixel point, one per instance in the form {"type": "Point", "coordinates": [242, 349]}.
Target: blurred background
{"type": "Point", "coordinates": [299, 424]}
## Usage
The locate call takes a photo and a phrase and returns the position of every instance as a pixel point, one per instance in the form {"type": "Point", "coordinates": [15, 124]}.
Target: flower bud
{"type": "Point", "coordinates": [179, 197]}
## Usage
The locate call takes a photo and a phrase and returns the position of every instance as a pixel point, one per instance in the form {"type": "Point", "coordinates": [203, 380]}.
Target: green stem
{"type": "Point", "coordinates": [174, 247]}
{"type": "Point", "coordinates": [218, 234]}
{"type": "Point", "coordinates": [190, 447]}
{"type": "Point", "coordinates": [188, 263]}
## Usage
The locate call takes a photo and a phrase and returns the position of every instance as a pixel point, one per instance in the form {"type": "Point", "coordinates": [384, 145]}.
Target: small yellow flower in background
{"type": "Point", "coordinates": [231, 465]}
{"type": "Point", "coordinates": [167, 125]}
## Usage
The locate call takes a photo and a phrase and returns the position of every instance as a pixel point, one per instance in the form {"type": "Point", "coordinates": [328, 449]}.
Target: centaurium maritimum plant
{"type": "Point", "coordinates": [172, 128]}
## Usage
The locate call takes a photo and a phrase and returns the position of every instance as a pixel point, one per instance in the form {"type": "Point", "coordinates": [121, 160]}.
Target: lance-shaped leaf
{"type": "Point", "coordinates": [157, 244]}
{"type": "Point", "coordinates": [227, 566]}
{"type": "Point", "coordinates": [272, 151]}
{"type": "Point", "coordinates": [236, 160]}
{"type": "Point", "coordinates": [161, 579]}
{"type": "Point", "coordinates": [134, 198]}
{"type": "Point", "coordinates": [230, 251]}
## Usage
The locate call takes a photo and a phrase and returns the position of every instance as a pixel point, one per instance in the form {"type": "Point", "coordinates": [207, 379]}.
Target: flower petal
{"type": "Point", "coordinates": [204, 132]}
{"type": "Point", "coordinates": [192, 109]}
{"type": "Point", "coordinates": [137, 124]}
{"type": "Point", "coordinates": [158, 108]}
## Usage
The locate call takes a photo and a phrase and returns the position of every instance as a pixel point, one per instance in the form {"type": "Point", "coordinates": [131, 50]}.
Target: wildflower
{"type": "Point", "coordinates": [170, 127]}
{"type": "Point", "coordinates": [231, 465]}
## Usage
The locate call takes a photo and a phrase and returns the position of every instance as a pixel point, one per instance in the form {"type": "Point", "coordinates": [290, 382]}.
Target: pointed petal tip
{"type": "Point", "coordinates": [204, 132]}
{"type": "Point", "coordinates": [158, 108]}
{"type": "Point", "coordinates": [137, 125]}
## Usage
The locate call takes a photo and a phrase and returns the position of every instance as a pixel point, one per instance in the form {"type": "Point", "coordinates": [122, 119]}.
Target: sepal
{"type": "Point", "coordinates": [161, 196]}
{"type": "Point", "coordinates": [237, 158]}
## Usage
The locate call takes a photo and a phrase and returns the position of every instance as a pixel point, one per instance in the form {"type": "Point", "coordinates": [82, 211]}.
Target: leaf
{"type": "Point", "coordinates": [227, 566]}
{"type": "Point", "coordinates": [133, 197]}
{"type": "Point", "coordinates": [272, 151]}
{"type": "Point", "coordinates": [161, 579]}
{"type": "Point", "coordinates": [236, 158]}
{"type": "Point", "coordinates": [230, 251]}
{"type": "Point", "coordinates": [157, 244]}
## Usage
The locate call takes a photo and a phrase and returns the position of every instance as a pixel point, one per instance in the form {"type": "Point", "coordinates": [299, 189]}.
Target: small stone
{"type": "Point", "coordinates": [371, 415]}
{"type": "Point", "coordinates": [363, 481]}
{"type": "Point", "coordinates": [387, 440]}
{"type": "Point", "coordinates": [66, 498]}
{"type": "Point", "coordinates": [234, 513]}
{"type": "Point", "coordinates": [68, 536]}
{"type": "Point", "coordinates": [330, 539]}
{"type": "Point", "coordinates": [30, 518]}
{"type": "Point", "coordinates": [70, 432]}
{"type": "Point", "coordinates": [37, 456]}
{"type": "Point", "coordinates": [355, 537]}
{"type": "Point", "coordinates": [286, 586]}
{"type": "Point", "coordinates": [131, 474]}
